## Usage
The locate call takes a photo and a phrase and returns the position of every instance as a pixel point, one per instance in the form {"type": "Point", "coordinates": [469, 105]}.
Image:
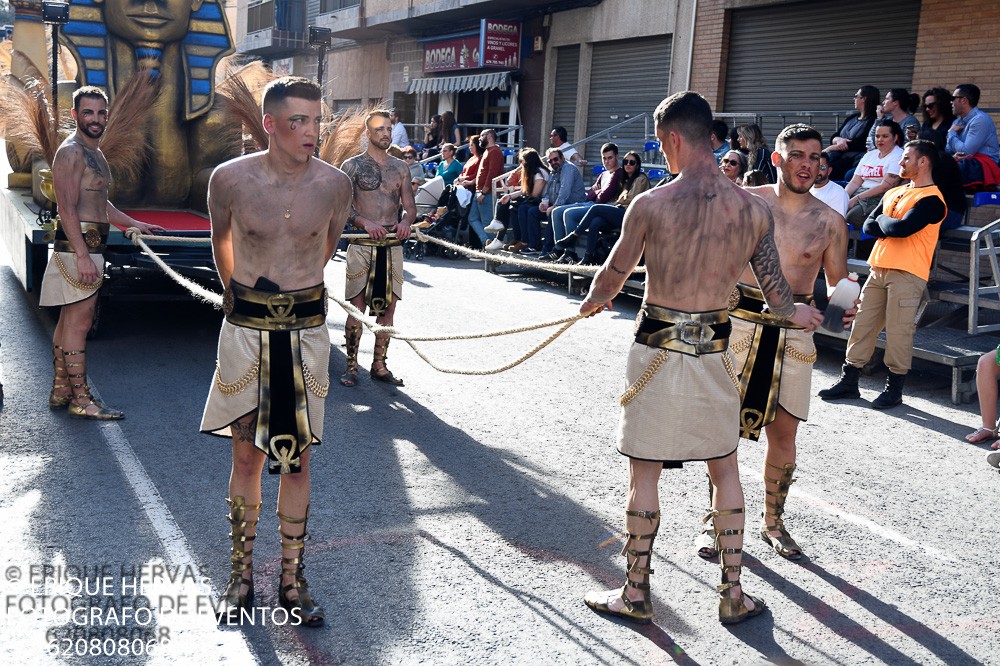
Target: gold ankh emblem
{"type": "Point", "coordinates": [750, 422]}
{"type": "Point", "coordinates": [284, 456]}
{"type": "Point", "coordinates": [280, 305]}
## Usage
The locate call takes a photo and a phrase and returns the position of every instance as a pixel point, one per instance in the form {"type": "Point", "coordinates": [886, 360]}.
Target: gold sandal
{"type": "Point", "coordinates": [783, 544]}
{"type": "Point", "coordinates": [59, 375]}
{"type": "Point", "coordinates": [312, 615]}
{"type": "Point", "coordinates": [234, 600]}
{"type": "Point", "coordinates": [642, 610]}
{"type": "Point", "coordinates": [379, 358]}
{"type": "Point", "coordinates": [80, 391]}
{"type": "Point", "coordinates": [733, 610]}
{"type": "Point", "coordinates": [352, 335]}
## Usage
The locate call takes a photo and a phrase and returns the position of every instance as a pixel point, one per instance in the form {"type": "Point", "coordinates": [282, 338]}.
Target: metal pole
{"type": "Point", "coordinates": [320, 66]}
{"type": "Point", "coordinates": [55, 78]}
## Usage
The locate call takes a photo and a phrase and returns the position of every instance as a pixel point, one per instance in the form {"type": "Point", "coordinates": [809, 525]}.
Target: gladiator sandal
{"type": "Point", "coordinates": [234, 599]}
{"type": "Point", "coordinates": [705, 542]}
{"type": "Point", "coordinates": [312, 615]}
{"type": "Point", "coordinates": [60, 380]}
{"type": "Point", "coordinates": [733, 609]}
{"type": "Point", "coordinates": [774, 500]}
{"type": "Point", "coordinates": [639, 611]}
{"type": "Point", "coordinates": [379, 359]}
{"type": "Point", "coordinates": [352, 335]}
{"type": "Point", "coordinates": [77, 375]}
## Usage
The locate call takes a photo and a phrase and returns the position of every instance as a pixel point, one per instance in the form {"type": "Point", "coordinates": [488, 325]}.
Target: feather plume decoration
{"type": "Point", "coordinates": [125, 143]}
{"type": "Point", "coordinates": [341, 136]}
{"type": "Point", "coordinates": [240, 103]}
{"type": "Point", "coordinates": [26, 118]}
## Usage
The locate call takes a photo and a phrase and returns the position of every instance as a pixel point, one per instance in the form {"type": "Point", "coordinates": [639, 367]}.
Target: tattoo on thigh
{"type": "Point", "coordinates": [244, 431]}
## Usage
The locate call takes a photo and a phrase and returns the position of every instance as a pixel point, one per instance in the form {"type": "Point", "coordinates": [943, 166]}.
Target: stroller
{"type": "Point", "coordinates": [439, 205]}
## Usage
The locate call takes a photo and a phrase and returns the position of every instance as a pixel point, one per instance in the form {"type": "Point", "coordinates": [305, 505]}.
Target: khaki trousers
{"type": "Point", "coordinates": [889, 300]}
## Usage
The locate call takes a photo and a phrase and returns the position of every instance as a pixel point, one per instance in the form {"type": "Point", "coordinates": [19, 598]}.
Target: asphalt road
{"type": "Point", "coordinates": [460, 519]}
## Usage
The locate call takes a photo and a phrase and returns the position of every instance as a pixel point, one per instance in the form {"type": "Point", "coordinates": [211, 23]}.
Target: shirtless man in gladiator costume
{"type": "Point", "coordinates": [81, 178]}
{"type": "Point", "coordinates": [682, 402]}
{"type": "Point", "coordinates": [375, 264]}
{"type": "Point", "coordinates": [277, 217]}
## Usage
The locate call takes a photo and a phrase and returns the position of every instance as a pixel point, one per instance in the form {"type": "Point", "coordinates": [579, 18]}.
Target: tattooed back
{"type": "Point", "coordinates": [699, 233]}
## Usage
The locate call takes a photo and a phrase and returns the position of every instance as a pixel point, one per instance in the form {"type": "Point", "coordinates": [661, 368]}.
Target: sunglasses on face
{"type": "Point", "coordinates": [731, 162]}
{"type": "Point", "coordinates": [859, 97]}
{"type": "Point", "coordinates": [630, 163]}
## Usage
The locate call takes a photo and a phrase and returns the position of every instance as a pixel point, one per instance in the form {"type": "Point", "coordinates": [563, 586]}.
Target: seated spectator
{"type": "Point", "coordinates": [948, 178]}
{"type": "Point", "coordinates": [433, 138]}
{"type": "Point", "coordinates": [972, 139]}
{"type": "Point", "coordinates": [558, 138]}
{"type": "Point", "coordinates": [734, 165]}
{"type": "Point", "coordinates": [449, 168]}
{"type": "Point", "coordinates": [937, 114]}
{"type": "Point", "coordinates": [757, 151]}
{"type": "Point", "coordinates": [410, 157]}
{"type": "Point", "coordinates": [987, 374]}
{"type": "Point", "coordinates": [827, 191]}
{"type": "Point", "coordinates": [848, 143]}
{"type": "Point", "coordinates": [470, 169]}
{"type": "Point", "coordinates": [877, 173]}
{"type": "Point", "coordinates": [720, 139]}
{"type": "Point", "coordinates": [604, 190]}
{"type": "Point", "coordinates": [754, 178]}
{"type": "Point", "coordinates": [450, 131]}
{"type": "Point", "coordinates": [532, 179]}
{"type": "Point", "coordinates": [564, 186]}
{"type": "Point", "coordinates": [603, 218]}
{"type": "Point", "coordinates": [897, 107]}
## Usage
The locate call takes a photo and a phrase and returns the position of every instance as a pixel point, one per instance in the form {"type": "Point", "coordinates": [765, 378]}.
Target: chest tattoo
{"type": "Point", "coordinates": [368, 176]}
{"type": "Point", "coordinates": [93, 163]}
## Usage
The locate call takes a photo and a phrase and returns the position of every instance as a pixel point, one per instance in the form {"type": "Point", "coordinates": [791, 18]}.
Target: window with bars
{"type": "Point", "coordinates": [260, 16]}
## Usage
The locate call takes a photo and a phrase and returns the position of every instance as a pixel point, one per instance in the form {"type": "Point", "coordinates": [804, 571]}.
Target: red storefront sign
{"type": "Point", "coordinates": [497, 45]}
{"type": "Point", "coordinates": [500, 44]}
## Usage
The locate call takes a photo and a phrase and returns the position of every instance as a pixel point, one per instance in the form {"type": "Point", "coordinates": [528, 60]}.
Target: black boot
{"type": "Point", "coordinates": [846, 386]}
{"type": "Point", "coordinates": [893, 393]}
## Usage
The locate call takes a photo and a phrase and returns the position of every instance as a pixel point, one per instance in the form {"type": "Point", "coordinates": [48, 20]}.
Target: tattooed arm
{"type": "Point", "coordinates": [627, 252]}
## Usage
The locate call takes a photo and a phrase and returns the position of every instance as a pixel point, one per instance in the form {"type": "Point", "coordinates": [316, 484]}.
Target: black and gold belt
{"type": "Point", "coordinates": [693, 333]}
{"type": "Point", "coordinates": [274, 311]}
{"type": "Point", "coordinates": [376, 242]}
{"type": "Point", "coordinates": [747, 303]}
{"type": "Point", "coordinates": [95, 235]}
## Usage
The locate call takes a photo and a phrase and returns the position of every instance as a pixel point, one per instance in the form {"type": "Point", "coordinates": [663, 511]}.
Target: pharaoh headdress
{"type": "Point", "coordinates": [208, 40]}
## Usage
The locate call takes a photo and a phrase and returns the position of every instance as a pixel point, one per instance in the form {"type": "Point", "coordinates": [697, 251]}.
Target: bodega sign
{"type": "Point", "coordinates": [498, 45]}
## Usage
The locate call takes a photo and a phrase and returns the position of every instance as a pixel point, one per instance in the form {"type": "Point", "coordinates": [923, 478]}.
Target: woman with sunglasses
{"type": "Point", "coordinates": [848, 143]}
{"type": "Point", "coordinates": [602, 218]}
{"type": "Point", "coordinates": [734, 165]}
{"type": "Point", "coordinates": [758, 154]}
{"type": "Point", "coordinates": [938, 116]}
{"type": "Point", "coordinates": [410, 157]}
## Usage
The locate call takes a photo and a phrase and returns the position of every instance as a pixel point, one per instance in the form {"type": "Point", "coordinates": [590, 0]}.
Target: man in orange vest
{"type": "Point", "coordinates": [906, 224]}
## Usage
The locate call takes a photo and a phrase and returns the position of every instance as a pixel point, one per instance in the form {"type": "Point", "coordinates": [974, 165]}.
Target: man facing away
{"type": "Point", "coordinates": [682, 402]}
{"type": "Point", "coordinates": [81, 177]}
{"type": "Point", "coordinates": [906, 224]}
{"type": "Point", "coordinates": [375, 264]}
{"type": "Point", "coordinates": [776, 355]}
{"type": "Point", "coordinates": [276, 217]}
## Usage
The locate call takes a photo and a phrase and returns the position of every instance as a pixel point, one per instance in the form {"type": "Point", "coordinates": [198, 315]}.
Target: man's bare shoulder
{"type": "Point", "coordinates": [324, 173]}
{"type": "Point", "coordinates": [68, 150]}
{"type": "Point", "coordinates": [235, 171]}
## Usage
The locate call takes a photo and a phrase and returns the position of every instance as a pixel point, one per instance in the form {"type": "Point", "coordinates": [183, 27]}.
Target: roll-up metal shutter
{"type": "Point", "coordinates": [813, 56]}
{"type": "Point", "coordinates": [627, 78]}
{"type": "Point", "coordinates": [567, 85]}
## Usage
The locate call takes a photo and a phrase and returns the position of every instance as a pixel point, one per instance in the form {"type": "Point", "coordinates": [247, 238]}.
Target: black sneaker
{"type": "Point", "coordinates": [568, 257]}
{"type": "Point", "coordinates": [549, 256]}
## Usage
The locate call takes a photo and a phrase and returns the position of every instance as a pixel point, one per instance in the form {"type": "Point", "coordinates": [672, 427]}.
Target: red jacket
{"type": "Point", "coordinates": [490, 166]}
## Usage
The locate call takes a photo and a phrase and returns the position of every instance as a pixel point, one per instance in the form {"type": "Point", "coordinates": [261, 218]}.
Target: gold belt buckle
{"type": "Point", "coordinates": [280, 307]}
{"type": "Point", "coordinates": [694, 333]}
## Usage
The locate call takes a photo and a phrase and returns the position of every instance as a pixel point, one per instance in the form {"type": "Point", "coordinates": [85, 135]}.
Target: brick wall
{"type": "Point", "coordinates": [708, 60]}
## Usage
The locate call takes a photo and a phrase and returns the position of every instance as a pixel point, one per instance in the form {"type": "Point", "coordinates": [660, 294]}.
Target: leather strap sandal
{"type": "Point", "coordinates": [379, 371]}
{"type": "Point", "coordinates": [982, 436]}
{"type": "Point", "coordinates": [60, 380]}
{"type": "Point", "coordinates": [311, 613]}
{"type": "Point", "coordinates": [81, 392]}
{"type": "Point", "coordinates": [640, 611]}
{"type": "Point", "coordinates": [239, 590]}
{"type": "Point", "coordinates": [783, 544]}
{"type": "Point", "coordinates": [733, 609]}
{"type": "Point", "coordinates": [352, 336]}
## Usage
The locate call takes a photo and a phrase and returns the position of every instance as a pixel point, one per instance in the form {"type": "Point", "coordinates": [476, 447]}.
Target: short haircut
{"type": "Point", "coordinates": [924, 148]}
{"type": "Point", "coordinates": [686, 113]}
{"type": "Point", "coordinates": [550, 151]}
{"type": "Point", "coordinates": [91, 92]}
{"type": "Point", "coordinates": [613, 147]}
{"type": "Point", "coordinates": [721, 130]}
{"type": "Point", "coordinates": [376, 113]}
{"type": "Point", "coordinates": [797, 132]}
{"type": "Point", "coordinates": [825, 156]}
{"type": "Point", "coordinates": [488, 132]}
{"type": "Point", "coordinates": [561, 133]}
{"type": "Point", "coordinates": [279, 90]}
{"type": "Point", "coordinates": [969, 91]}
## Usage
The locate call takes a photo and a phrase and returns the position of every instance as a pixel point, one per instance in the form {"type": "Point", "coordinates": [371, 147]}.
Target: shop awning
{"type": "Point", "coordinates": [449, 84]}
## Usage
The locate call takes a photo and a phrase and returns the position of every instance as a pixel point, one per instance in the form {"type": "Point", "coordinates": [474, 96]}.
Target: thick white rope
{"type": "Point", "coordinates": [210, 297]}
